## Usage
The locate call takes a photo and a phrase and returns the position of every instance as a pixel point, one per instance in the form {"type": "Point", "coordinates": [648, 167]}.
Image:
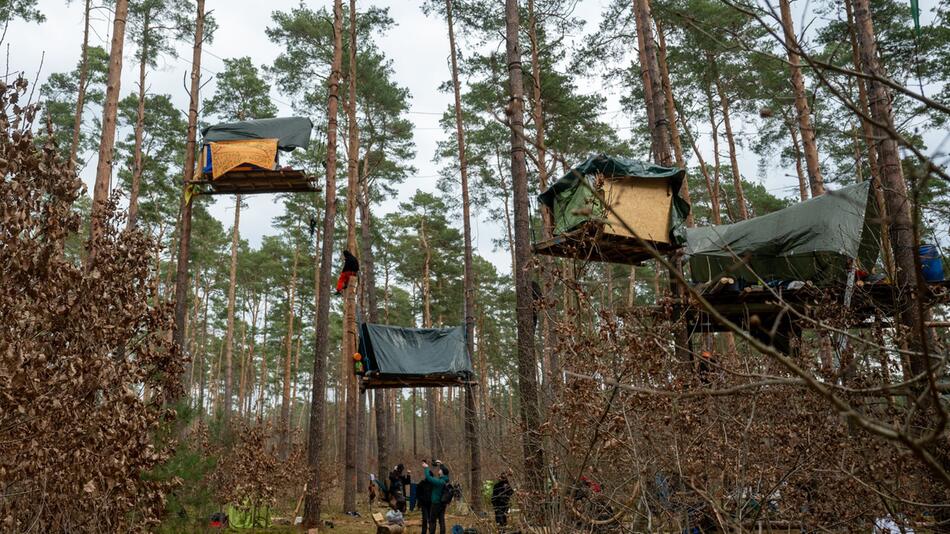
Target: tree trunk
{"type": "Point", "coordinates": [83, 81]}
{"type": "Point", "coordinates": [139, 128]}
{"type": "Point", "coordinates": [672, 115]}
{"type": "Point", "coordinates": [532, 444]}
{"type": "Point", "coordinates": [262, 380]}
{"type": "Point", "coordinates": [349, 308]}
{"type": "Point", "coordinates": [229, 333]}
{"type": "Point", "coordinates": [911, 311]}
{"type": "Point", "coordinates": [873, 160]}
{"type": "Point", "coordinates": [318, 398]}
{"type": "Point", "coordinates": [184, 223]}
{"type": "Point", "coordinates": [100, 194]}
{"type": "Point", "coordinates": [799, 171]}
{"type": "Point", "coordinates": [660, 129]}
{"type": "Point", "coordinates": [733, 159]}
{"type": "Point", "coordinates": [471, 431]}
{"type": "Point", "coordinates": [717, 167]}
{"type": "Point", "coordinates": [367, 263]}
{"type": "Point", "coordinates": [283, 446]}
{"type": "Point", "coordinates": [801, 103]}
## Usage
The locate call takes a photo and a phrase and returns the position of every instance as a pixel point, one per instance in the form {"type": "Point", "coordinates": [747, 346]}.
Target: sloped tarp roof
{"type": "Point", "coordinates": [568, 194]}
{"type": "Point", "coordinates": [415, 352]}
{"type": "Point", "coordinates": [290, 132]}
{"type": "Point", "coordinates": [811, 240]}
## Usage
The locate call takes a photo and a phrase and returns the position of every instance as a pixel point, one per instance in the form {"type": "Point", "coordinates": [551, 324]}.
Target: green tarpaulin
{"type": "Point", "coordinates": [290, 132]}
{"type": "Point", "coordinates": [570, 194]}
{"type": "Point", "coordinates": [415, 352]}
{"type": "Point", "coordinates": [813, 240]}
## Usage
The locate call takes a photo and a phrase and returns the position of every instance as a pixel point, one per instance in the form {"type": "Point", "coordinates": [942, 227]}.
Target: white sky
{"type": "Point", "coordinates": [417, 45]}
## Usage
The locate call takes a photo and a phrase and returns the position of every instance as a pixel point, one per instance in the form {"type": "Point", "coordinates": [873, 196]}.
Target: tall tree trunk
{"type": "Point", "coordinates": [349, 307]}
{"type": "Point", "coordinates": [672, 115]}
{"type": "Point", "coordinates": [184, 223]}
{"type": "Point", "coordinates": [799, 171]}
{"type": "Point", "coordinates": [717, 167]}
{"type": "Point", "coordinates": [284, 435]}
{"type": "Point", "coordinates": [367, 262]}
{"type": "Point", "coordinates": [139, 127]}
{"type": "Point", "coordinates": [530, 417]}
{"type": "Point", "coordinates": [471, 431]}
{"type": "Point", "coordinates": [100, 194]}
{"type": "Point", "coordinates": [873, 159]}
{"type": "Point", "coordinates": [911, 310]}
{"type": "Point", "coordinates": [248, 375]}
{"type": "Point", "coordinates": [549, 357]}
{"type": "Point", "coordinates": [83, 82]}
{"type": "Point", "coordinates": [660, 129]}
{"type": "Point", "coordinates": [733, 158]}
{"type": "Point", "coordinates": [815, 180]}
{"type": "Point", "coordinates": [318, 397]}
{"type": "Point", "coordinates": [229, 333]}
{"type": "Point", "coordinates": [262, 380]}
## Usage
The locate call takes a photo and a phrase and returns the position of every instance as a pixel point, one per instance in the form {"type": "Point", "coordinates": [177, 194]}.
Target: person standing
{"type": "Point", "coordinates": [501, 493]}
{"type": "Point", "coordinates": [438, 480]}
{"type": "Point", "coordinates": [397, 483]}
{"type": "Point", "coordinates": [424, 501]}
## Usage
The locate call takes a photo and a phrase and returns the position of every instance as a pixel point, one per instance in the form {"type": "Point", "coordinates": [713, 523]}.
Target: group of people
{"type": "Point", "coordinates": [431, 494]}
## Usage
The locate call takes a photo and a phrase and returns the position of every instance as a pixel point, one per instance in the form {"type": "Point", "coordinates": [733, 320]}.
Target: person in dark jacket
{"type": "Point", "coordinates": [501, 493]}
{"type": "Point", "coordinates": [437, 507]}
{"type": "Point", "coordinates": [424, 501]}
{"type": "Point", "coordinates": [351, 268]}
{"type": "Point", "coordinates": [398, 480]}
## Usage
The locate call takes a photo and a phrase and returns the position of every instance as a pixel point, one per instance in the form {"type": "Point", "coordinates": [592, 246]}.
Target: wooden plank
{"type": "Point", "coordinates": [258, 182]}
{"type": "Point", "coordinates": [589, 243]}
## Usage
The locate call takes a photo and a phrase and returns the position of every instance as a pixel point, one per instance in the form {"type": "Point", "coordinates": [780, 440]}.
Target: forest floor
{"type": "Point", "coordinates": [342, 524]}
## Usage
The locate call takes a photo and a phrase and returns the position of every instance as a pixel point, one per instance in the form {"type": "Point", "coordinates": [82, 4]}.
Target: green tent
{"type": "Point", "coordinates": [290, 132]}
{"type": "Point", "coordinates": [415, 355]}
{"type": "Point", "coordinates": [570, 196]}
{"type": "Point", "coordinates": [813, 240]}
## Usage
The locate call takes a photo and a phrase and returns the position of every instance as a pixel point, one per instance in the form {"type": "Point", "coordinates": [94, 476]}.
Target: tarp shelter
{"type": "Point", "coordinates": [290, 132]}
{"type": "Point", "coordinates": [408, 357]}
{"type": "Point", "coordinates": [813, 240]}
{"type": "Point", "coordinates": [639, 195]}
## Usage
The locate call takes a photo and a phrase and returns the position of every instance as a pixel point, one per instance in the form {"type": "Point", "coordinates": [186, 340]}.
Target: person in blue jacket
{"type": "Point", "coordinates": [438, 480]}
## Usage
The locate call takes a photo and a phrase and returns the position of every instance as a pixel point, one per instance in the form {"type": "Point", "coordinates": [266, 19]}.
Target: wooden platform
{"type": "Point", "coordinates": [257, 182]}
{"type": "Point", "coordinates": [867, 302]}
{"type": "Point", "coordinates": [397, 382]}
{"type": "Point", "coordinates": [591, 243]}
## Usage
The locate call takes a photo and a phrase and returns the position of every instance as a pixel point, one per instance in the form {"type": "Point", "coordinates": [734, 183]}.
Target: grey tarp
{"type": "Point", "coordinates": [568, 195]}
{"type": "Point", "coordinates": [813, 240]}
{"type": "Point", "coordinates": [290, 132]}
{"type": "Point", "coordinates": [415, 352]}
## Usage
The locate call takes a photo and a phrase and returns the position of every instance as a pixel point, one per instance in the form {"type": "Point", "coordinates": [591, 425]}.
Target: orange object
{"type": "Point", "coordinates": [357, 356]}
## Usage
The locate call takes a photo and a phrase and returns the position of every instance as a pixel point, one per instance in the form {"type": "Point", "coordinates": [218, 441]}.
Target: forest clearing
{"type": "Point", "coordinates": [521, 266]}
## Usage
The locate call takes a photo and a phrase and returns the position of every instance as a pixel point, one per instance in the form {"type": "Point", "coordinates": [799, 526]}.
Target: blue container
{"type": "Point", "coordinates": [931, 263]}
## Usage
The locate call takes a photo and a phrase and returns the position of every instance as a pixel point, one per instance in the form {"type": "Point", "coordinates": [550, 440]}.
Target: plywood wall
{"type": "Point", "coordinates": [643, 204]}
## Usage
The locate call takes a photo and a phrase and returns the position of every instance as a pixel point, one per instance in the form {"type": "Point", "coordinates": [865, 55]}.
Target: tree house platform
{"type": "Point", "coordinates": [250, 182]}
{"type": "Point", "coordinates": [377, 381]}
{"type": "Point", "coordinates": [590, 242]}
{"type": "Point", "coordinates": [868, 301]}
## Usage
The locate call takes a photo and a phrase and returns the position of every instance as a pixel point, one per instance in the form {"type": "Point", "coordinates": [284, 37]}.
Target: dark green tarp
{"type": "Point", "coordinates": [569, 194]}
{"type": "Point", "coordinates": [290, 132]}
{"type": "Point", "coordinates": [813, 240]}
{"type": "Point", "coordinates": [415, 352]}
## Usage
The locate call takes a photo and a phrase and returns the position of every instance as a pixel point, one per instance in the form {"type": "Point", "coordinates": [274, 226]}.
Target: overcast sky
{"type": "Point", "coordinates": [417, 45]}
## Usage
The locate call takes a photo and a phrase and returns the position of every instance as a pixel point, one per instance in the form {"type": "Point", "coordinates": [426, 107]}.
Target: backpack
{"type": "Point", "coordinates": [451, 491]}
